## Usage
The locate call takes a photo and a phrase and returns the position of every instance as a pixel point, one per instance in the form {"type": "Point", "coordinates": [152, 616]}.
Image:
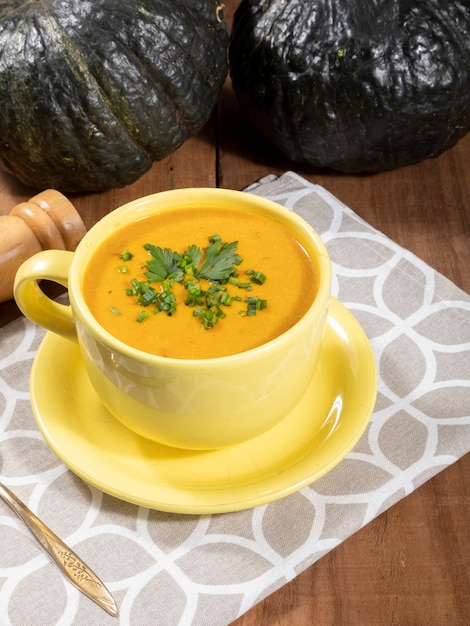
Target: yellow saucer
{"type": "Point", "coordinates": [96, 447]}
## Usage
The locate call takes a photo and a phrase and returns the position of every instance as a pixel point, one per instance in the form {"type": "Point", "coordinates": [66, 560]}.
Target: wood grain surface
{"type": "Point", "coordinates": [411, 565]}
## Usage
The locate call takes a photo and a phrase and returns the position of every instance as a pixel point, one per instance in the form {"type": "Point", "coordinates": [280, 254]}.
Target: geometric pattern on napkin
{"type": "Point", "coordinates": [207, 570]}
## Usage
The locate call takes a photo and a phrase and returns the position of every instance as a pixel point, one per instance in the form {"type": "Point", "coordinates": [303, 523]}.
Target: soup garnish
{"type": "Point", "coordinates": [206, 274]}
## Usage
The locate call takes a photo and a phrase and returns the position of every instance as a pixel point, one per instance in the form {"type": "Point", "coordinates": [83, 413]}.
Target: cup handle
{"type": "Point", "coordinates": [50, 265]}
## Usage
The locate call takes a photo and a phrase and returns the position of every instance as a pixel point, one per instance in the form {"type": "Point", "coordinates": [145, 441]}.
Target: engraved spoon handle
{"type": "Point", "coordinates": [70, 564]}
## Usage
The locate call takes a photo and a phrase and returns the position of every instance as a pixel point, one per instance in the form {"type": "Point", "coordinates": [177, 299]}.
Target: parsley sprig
{"type": "Point", "coordinates": [217, 265]}
{"type": "Point", "coordinates": [220, 262]}
{"type": "Point", "coordinates": [163, 265]}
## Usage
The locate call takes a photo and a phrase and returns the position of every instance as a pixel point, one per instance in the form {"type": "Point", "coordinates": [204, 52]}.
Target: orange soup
{"type": "Point", "coordinates": [199, 283]}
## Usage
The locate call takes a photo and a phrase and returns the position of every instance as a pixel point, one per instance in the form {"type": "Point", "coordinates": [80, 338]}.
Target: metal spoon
{"type": "Point", "coordinates": [75, 569]}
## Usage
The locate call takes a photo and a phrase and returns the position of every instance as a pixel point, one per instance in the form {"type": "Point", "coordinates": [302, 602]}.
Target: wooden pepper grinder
{"type": "Point", "coordinates": [46, 221]}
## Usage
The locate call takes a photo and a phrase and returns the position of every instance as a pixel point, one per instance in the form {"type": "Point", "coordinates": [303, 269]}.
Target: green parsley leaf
{"type": "Point", "coordinates": [190, 259]}
{"type": "Point", "coordinates": [220, 261]}
{"type": "Point", "coordinates": [163, 264]}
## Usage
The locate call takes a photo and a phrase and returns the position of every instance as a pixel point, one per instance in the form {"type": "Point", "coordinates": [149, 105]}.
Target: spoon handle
{"type": "Point", "coordinates": [70, 564]}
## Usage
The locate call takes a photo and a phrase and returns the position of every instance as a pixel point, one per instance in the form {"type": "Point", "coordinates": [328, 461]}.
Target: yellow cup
{"type": "Point", "coordinates": [193, 404]}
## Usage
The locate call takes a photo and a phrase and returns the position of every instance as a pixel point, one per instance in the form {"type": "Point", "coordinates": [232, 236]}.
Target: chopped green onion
{"type": "Point", "coordinates": [215, 239]}
{"type": "Point", "coordinates": [234, 281]}
{"type": "Point", "coordinates": [226, 299]}
{"type": "Point", "coordinates": [115, 311]}
{"type": "Point", "coordinates": [167, 302]}
{"type": "Point", "coordinates": [125, 255]}
{"type": "Point", "coordinates": [256, 277]}
{"type": "Point", "coordinates": [149, 296]}
{"type": "Point", "coordinates": [195, 293]}
{"type": "Point", "coordinates": [142, 317]}
{"type": "Point", "coordinates": [208, 317]}
{"type": "Point", "coordinates": [123, 269]}
{"type": "Point", "coordinates": [254, 304]}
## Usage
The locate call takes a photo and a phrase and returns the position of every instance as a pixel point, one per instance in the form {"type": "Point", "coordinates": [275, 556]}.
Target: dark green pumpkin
{"type": "Point", "coordinates": [91, 93]}
{"type": "Point", "coordinates": [355, 85]}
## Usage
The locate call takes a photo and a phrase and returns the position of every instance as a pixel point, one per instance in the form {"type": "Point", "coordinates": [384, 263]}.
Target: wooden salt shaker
{"type": "Point", "coordinates": [47, 221]}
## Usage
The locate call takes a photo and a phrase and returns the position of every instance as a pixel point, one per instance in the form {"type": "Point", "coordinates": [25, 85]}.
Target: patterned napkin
{"type": "Point", "coordinates": [207, 570]}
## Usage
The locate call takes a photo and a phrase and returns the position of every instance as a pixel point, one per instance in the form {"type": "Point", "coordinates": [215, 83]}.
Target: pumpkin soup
{"type": "Point", "coordinates": [199, 283]}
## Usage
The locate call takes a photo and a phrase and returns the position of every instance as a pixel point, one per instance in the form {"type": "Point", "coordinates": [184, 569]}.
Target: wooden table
{"type": "Point", "coordinates": [410, 566]}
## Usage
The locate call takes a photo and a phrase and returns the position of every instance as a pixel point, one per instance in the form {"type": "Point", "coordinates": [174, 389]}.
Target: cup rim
{"type": "Point", "coordinates": [215, 195]}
